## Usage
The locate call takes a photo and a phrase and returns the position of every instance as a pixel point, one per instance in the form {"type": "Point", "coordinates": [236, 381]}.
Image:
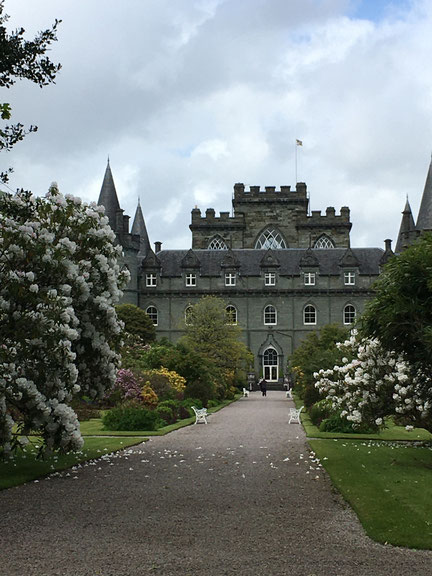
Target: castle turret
{"type": "Point", "coordinates": [424, 220]}
{"type": "Point", "coordinates": [108, 198]}
{"type": "Point", "coordinates": [139, 227]}
{"type": "Point", "coordinates": [407, 230]}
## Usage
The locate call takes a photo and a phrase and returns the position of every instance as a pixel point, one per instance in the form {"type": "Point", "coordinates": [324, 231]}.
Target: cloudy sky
{"type": "Point", "coordinates": [188, 97]}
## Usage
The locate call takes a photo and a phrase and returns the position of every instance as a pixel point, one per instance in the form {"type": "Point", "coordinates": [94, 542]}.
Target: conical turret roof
{"type": "Point", "coordinates": [139, 227]}
{"type": "Point", "coordinates": [406, 228]}
{"type": "Point", "coordinates": [108, 197]}
{"type": "Point", "coordinates": [424, 220]}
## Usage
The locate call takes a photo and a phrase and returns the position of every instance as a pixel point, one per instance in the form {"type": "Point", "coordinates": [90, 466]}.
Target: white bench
{"type": "Point", "coordinates": [288, 394]}
{"type": "Point", "coordinates": [295, 415]}
{"type": "Point", "coordinates": [200, 414]}
{"type": "Point", "coordinates": [245, 393]}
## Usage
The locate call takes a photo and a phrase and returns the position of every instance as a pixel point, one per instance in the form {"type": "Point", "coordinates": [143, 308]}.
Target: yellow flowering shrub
{"type": "Point", "coordinates": [149, 397]}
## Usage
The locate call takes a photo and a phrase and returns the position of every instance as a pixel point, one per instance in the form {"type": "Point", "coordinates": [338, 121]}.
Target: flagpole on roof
{"type": "Point", "coordinates": [297, 144]}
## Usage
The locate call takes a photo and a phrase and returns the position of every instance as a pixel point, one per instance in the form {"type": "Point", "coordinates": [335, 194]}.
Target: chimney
{"type": "Point", "coordinates": [158, 247]}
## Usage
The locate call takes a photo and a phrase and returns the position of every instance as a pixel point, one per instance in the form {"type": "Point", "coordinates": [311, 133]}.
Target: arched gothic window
{"type": "Point", "coordinates": [270, 238]}
{"type": "Point", "coordinates": [349, 314]}
{"type": "Point", "coordinates": [324, 242]}
{"type": "Point", "coordinates": [152, 313]}
{"type": "Point", "coordinates": [309, 314]}
{"type": "Point", "coordinates": [231, 312]}
{"type": "Point", "coordinates": [270, 357]}
{"type": "Point", "coordinates": [270, 315]}
{"type": "Point", "coordinates": [270, 365]}
{"type": "Point", "coordinates": [217, 243]}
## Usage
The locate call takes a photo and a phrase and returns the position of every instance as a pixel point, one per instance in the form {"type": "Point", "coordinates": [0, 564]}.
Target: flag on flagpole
{"type": "Point", "coordinates": [299, 142]}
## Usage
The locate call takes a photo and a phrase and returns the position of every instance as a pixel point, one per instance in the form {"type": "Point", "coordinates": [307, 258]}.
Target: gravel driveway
{"type": "Point", "coordinates": [241, 495]}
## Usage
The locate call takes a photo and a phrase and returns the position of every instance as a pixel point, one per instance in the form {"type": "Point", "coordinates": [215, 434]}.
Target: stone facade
{"type": "Point", "coordinates": [282, 271]}
{"type": "Point", "coordinates": [285, 210]}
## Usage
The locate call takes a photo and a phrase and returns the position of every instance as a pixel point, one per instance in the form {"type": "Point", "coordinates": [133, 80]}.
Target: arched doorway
{"type": "Point", "coordinates": [270, 365]}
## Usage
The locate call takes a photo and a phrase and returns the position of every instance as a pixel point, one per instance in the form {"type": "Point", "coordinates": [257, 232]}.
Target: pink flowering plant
{"type": "Point", "coordinates": [374, 384]}
{"type": "Point", "coordinates": [59, 282]}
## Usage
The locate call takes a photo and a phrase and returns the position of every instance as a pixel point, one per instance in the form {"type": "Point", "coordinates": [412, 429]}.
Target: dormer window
{"type": "Point", "coordinates": [309, 278]}
{"type": "Point", "coordinates": [151, 280]}
{"type": "Point", "coordinates": [190, 279]}
{"type": "Point", "coordinates": [349, 278]}
{"type": "Point", "coordinates": [230, 279]}
{"type": "Point", "coordinates": [270, 279]}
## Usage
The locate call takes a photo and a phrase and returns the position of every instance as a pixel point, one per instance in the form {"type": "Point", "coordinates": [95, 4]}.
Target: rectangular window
{"type": "Point", "coordinates": [230, 279]}
{"type": "Point", "coordinates": [309, 279]}
{"type": "Point", "coordinates": [190, 279]}
{"type": "Point", "coordinates": [349, 278]}
{"type": "Point", "coordinates": [151, 280]}
{"type": "Point", "coordinates": [270, 279]}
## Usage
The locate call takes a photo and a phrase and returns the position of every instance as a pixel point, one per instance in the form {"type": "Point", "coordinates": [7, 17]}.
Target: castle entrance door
{"type": "Point", "coordinates": [270, 365]}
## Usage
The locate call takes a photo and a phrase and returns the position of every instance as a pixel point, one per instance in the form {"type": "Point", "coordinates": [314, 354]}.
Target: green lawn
{"type": "Point", "coordinates": [94, 427]}
{"type": "Point", "coordinates": [390, 433]}
{"type": "Point", "coordinates": [25, 467]}
{"type": "Point", "coordinates": [388, 485]}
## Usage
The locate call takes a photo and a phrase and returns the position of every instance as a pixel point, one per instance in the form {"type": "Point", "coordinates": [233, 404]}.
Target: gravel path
{"type": "Point", "coordinates": [230, 498]}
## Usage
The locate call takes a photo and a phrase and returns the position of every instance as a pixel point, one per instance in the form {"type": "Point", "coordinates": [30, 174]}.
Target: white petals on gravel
{"type": "Point", "coordinates": [150, 458]}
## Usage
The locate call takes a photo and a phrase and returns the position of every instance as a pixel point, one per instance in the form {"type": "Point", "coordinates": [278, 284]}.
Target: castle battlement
{"type": "Point", "coordinates": [270, 192]}
{"type": "Point", "coordinates": [210, 218]}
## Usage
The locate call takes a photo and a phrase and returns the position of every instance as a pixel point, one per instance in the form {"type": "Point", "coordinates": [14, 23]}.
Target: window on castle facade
{"type": "Point", "coordinates": [270, 315]}
{"type": "Point", "coordinates": [349, 278]}
{"type": "Point", "coordinates": [190, 279]}
{"type": "Point", "coordinates": [309, 279]}
{"type": "Point", "coordinates": [152, 313]}
{"type": "Point", "coordinates": [188, 316]}
{"type": "Point", "coordinates": [230, 279]}
{"type": "Point", "coordinates": [324, 242]}
{"type": "Point", "coordinates": [151, 280]}
{"type": "Point", "coordinates": [270, 238]}
{"type": "Point", "coordinates": [270, 279]}
{"type": "Point", "coordinates": [309, 314]}
{"type": "Point", "coordinates": [231, 312]}
{"type": "Point", "coordinates": [217, 243]}
{"type": "Point", "coordinates": [349, 314]}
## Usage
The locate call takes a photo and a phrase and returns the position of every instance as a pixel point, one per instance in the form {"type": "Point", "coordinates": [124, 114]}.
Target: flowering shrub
{"type": "Point", "coordinates": [316, 351]}
{"type": "Point", "coordinates": [148, 396]}
{"type": "Point", "coordinates": [374, 384]}
{"type": "Point", "coordinates": [59, 333]}
{"type": "Point", "coordinates": [129, 385]}
{"type": "Point", "coordinates": [167, 384]}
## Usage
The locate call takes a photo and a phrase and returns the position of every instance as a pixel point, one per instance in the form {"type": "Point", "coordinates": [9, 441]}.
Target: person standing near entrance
{"type": "Point", "coordinates": [263, 386]}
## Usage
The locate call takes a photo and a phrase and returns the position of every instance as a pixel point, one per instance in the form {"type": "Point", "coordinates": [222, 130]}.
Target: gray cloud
{"type": "Point", "coordinates": [189, 97]}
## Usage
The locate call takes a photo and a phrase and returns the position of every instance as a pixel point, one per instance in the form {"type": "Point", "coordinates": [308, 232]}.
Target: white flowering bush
{"type": "Point", "coordinates": [59, 334]}
{"type": "Point", "coordinates": [375, 384]}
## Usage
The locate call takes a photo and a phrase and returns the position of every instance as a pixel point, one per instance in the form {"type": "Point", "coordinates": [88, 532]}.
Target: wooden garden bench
{"type": "Point", "coordinates": [295, 415]}
{"type": "Point", "coordinates": [245, 393]}
{"type": "Point", "coordinates": [200, 414]}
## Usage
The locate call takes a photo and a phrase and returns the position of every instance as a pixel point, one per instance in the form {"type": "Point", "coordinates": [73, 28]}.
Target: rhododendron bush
{"type": "Point", "coordinates": [376, 383]}
{"type": "Point", "coordinates": [59, 334]}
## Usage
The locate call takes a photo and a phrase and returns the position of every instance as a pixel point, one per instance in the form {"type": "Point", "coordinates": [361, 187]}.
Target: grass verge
{"type": "Point", "coordinates": [25, 467]}
{"type": "Point", "coordinates": [94, 426]}
{"type": "Point", "coordinates": [389, 486]}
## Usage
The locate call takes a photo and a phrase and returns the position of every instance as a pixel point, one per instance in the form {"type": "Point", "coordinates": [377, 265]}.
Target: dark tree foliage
{"type": "Point", "coordinates": [400, 315]}
{"type": "Point", "coordinates": [22, 59]}
{"type": "Point", "coordinates": [136, 322]}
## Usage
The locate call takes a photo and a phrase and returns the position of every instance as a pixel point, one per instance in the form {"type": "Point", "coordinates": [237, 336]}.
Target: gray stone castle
{"type": "Point", "coordinates": [281, 270]}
